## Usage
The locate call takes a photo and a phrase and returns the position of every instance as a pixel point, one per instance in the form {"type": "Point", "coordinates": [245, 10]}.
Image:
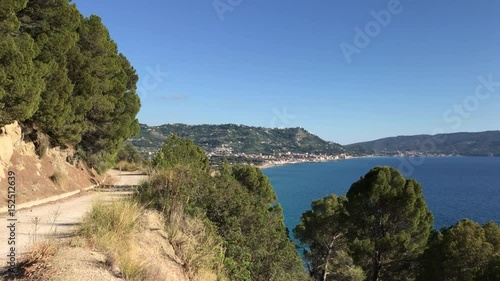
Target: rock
{"type": "Point", "coordinates": [6, 145]}
{"type": "Point", "coordinates": [10, 135]}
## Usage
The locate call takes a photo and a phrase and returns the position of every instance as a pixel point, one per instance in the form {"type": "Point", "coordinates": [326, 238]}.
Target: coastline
{"type": "Point", "coordinates": [273, 164]}
{"type": "Point", "coordinates": [283, 163]}
{"type": "Point", "coordinates": [266, 166]}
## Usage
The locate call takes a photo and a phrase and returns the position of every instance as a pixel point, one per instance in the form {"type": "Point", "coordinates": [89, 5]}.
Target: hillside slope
{"type": "Point", "coordinates": [466, 144]}
{"type": "Point", "coordinates": [56, 172]}
{"type": "Point", "coordinates": [231, 138]}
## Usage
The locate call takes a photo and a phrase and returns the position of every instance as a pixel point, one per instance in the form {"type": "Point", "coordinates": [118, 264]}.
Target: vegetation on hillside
{"type": "Point", "coordinates": [63, 79]}
{"type": "Point", "coordinates": [61, 75]}
{"type": "Point", "coordinates": [237, 202]}
{"type": "Point", "coordinates": [227, 221]}
{"type": "Point", "coordinates": [465, 251]}
{"type": "Point", "coordinates": [237, 139]}
{"type": "Point", "coordinates": [464, 144]}
{"type": "Point", "coordinates": [128, 158]}
{"type": "Point", "coordinates": [382, 230]}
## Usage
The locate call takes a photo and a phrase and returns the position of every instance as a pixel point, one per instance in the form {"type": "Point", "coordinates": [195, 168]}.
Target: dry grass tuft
{"type": "Point", "coordinates": [109, 227]}
{"type": "Point", "coordinates": [117, 218]}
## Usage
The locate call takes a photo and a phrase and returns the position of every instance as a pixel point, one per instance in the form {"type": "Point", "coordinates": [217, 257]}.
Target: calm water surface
{"type": "Point", "coordinates": [454, 187]}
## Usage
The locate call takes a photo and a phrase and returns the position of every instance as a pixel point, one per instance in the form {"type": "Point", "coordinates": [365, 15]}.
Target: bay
{"type": "Point", "coordinates": [454, 187]}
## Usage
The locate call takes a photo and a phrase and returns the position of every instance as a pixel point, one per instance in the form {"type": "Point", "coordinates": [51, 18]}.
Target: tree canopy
{"type": "Point", "coordinates": [376, 232]}
{"type": "Point", "coordinates": [382, 230]}
{"type": "Point", "coordinates": [21, 76]}
{"type": "Point", "coordinates": [465, 251]}
{"type": "Point", "coordinates": [61, 73]}
{"type": "Point", "coordinates": [323, 232]}
{"type": "Point", "coordinates": [389, 224]}
{"type": "Point", "coordinates": [177, 151]}
{"type": "Point", "coordinates": [129, 153]}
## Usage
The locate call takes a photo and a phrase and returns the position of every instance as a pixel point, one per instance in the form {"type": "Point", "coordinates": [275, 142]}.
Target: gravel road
{"type": "Point", "coordinates": [56, 219]}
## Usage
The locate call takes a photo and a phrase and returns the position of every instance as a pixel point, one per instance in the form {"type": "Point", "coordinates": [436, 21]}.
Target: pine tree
{"type": "Point", "coordinates": [21, 79]}
{"type": "Point", "coordinates": [104, 95]}
{"type": "Point", "coordinates": [389, 224]}
{"type": "Point", "coordinates": [322, 230]}
{"type": "Point", "coordinates": [460, 252]}
{"type": "Point", "coordinates": [176, 151]}
{"type": "Point", "coordinates": [53, 25]}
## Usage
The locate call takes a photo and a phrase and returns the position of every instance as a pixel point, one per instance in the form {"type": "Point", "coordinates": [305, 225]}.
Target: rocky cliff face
{"type": "Point", "coordinates": [10, 136]}
{"type": "Point", "coordinates": [54, 173]}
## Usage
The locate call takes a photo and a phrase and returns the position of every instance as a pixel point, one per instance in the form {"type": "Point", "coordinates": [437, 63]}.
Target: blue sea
{"type": "Point", "coordinates": [454, 187]}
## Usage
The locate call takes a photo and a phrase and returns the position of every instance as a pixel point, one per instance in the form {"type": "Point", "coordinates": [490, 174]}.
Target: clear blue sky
{"type": "Point", "coordinates": [280, 63]}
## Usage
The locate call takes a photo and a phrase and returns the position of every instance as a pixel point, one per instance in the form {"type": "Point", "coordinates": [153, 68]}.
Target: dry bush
{"type": "Point", "coordinates": [196, 243]}
{"type": "Point", "coordinates": [36, 263]}
{"type": "Point", "coordinates": [42, 144]}
{"type": "Point", "coordinates": [127, 166]}
{"type": "Point", "coordinates": [59, 179]}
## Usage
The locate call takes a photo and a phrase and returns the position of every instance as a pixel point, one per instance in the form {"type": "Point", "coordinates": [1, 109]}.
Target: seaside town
{"type": "Point", "coordinates": [226, 152]}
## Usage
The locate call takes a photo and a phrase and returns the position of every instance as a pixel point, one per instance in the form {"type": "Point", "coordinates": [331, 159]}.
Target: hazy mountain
{"type": "Point", "coordinates": [467, 144]}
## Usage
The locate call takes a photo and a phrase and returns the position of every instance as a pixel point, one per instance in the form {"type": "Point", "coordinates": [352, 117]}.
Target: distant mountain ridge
{"type": "Point", "coordinates": [465, 144]}
{"type": "Point", "coordinates": [233, 139]}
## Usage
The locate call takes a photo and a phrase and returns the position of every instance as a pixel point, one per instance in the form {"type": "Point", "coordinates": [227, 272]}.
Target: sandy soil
{"type": "Point", "coordinates": [57, 219]}
{"type": "Point", "coordinates": [80, 264]}
{"type": "Point", "coordinates": [33, 176]}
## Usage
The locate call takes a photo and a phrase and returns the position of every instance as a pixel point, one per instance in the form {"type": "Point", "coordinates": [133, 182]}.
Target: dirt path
{"type": "Point", "coordinates": [59, 218]}
{"type": "Point", "coordinates": [126, 178]}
